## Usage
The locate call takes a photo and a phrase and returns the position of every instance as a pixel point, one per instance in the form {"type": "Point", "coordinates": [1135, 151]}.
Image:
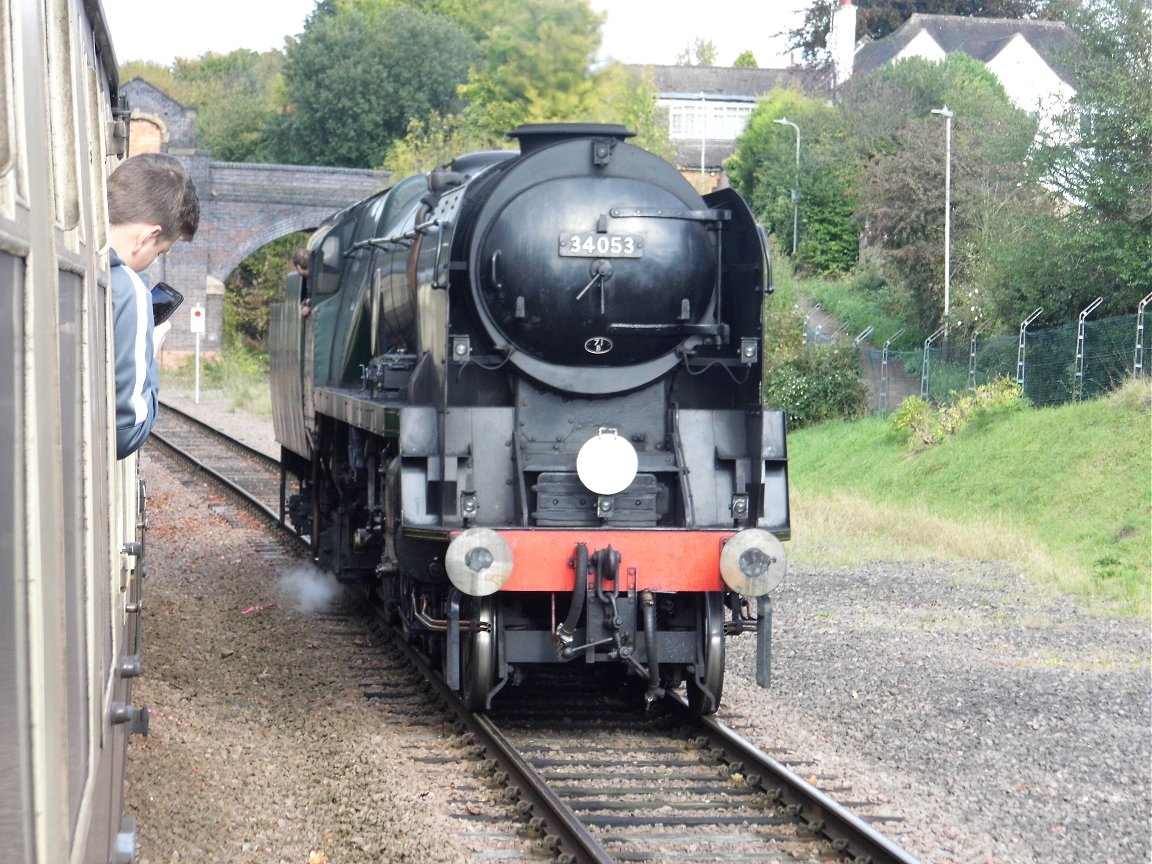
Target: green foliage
{"type": "Point", "coordinates": [763, 170]}
{"type": "Point", "coordinates": [901, 194]}
{"type": "Point", "coordinates": [1061, 492]}
{"type": "Point", "coordinates": [1100, 157]}
{"type": "Point", "coordinates": [535, 57]}
{"type": "Point", "coordinates": [251, 287]}
{"type": "Point", "coordinates": [702, 52]}
{"type": "Point", "coordinates": [436, 141]}
{"type": "Point", "coordinates": [157, 75]}
{"type": "Point", "coordinates": [356, 77]}
{"type": "Point", "coordinates": [861, 300]}
{"type": "Point", "coordinates": [914, 421]}
{"type": "Point", "coordinates": [821, 382]}
{"type": "Point", "coordinates": [237, 97]}
{"type": "Point", "coordinates": [921, 425]}
{"type": "Point", "coordinates": [745, 60]}
{"type": "Point", "coordinates": [810, 383]}
{"type": "Point", "coordinates": [627, 97]}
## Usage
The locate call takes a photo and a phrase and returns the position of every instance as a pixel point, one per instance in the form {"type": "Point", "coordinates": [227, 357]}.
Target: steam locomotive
{"type": "Point", "coordinates": [523, 405]}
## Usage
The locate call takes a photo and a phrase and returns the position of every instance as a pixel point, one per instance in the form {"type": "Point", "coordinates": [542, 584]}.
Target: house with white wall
{"type": "Point", "coordinates": [707, 107]}
{"type": "Point", "coordinates": [1027, 56]}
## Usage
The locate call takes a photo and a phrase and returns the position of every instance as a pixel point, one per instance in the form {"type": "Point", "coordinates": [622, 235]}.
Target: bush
{"type": "Point", "coordinates": [817, 383]}
{"type": "Point", "coordinates": [920, 425]}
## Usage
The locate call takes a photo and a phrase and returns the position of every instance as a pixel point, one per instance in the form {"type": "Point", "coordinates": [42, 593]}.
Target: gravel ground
{"type": "Point", "coordinates": [281, 732]}
{"type": "Point", "coordinates": [1001, 725]}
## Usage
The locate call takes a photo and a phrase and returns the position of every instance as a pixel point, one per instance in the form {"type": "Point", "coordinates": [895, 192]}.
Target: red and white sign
{"type": "Point", "coordinates": [197, 325]}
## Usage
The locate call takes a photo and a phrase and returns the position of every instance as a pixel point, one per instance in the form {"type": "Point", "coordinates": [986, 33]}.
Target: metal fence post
{"type": "Point", "coordinates": [924, 372]}
{"type": "Point", "coordinates": [1138, 354]}
{"type": "Point", "coordinates": [804, 326]}
{"type": "Point", "coordinates": [972, 362]}
{"type": "Point", "coordinates": [1080, 347]}
{"type": "Point", "coordinates": [1020, 351]}
{"type": "Point", "coordinates": [884, 370]}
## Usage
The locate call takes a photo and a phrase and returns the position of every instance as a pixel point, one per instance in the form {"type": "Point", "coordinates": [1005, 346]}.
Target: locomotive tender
{"type": "Point", "coordinates": [524, 407]}
{"type": "Point", "coordinates": [71, 515]}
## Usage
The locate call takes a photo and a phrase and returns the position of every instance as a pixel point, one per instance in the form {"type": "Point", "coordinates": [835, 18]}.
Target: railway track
{"type": "Point", "coordinates": [595, 778]}
{"type": "Point", "coordinates": [253, 475]}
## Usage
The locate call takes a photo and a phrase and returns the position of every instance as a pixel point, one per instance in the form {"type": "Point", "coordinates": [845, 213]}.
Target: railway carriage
{"type": "Point", "coordinates": [523, 406]}
{"type": "Point", "coordinates": [71, 520]}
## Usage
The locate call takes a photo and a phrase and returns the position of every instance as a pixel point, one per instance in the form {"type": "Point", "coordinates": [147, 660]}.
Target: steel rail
{"type": "Point", "coordinates": [207, 428]}
{"type": "Point", "coordinates": [847, 832]}
{"type": "Point", "coordinates": [571, 841]}
{"type": "Point", "coordinates": [227, 482]}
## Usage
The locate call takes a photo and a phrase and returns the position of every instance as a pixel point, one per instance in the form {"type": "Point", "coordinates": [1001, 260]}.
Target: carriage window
{"type": "Point", "coordinates": [13, 591]}
{"type": "Point", "coordinates": [332, 249]}
{"type": "Point", "coordinates": [72, 454]}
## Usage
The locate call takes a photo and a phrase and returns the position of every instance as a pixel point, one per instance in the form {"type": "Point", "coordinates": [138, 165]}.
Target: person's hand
{"type": "Point", "coordinates": [158, 334]}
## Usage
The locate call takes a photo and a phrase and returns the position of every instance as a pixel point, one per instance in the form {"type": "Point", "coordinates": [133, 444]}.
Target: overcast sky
{"type": "Point", "coordinates": [636, 31]}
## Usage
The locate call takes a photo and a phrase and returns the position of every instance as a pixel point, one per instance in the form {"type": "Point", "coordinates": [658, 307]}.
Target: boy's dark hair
{"type": "Point", "coordinates": [300, 258]}
{"type": "Point", "coordinates": [154, 189]}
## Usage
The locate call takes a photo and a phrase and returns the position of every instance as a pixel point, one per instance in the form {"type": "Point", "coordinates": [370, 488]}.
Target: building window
{"type": "Point", "coordinates": [718, 121]}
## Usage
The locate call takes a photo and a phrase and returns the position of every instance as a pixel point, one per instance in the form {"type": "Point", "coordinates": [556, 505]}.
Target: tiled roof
{"type": "Point", "coordinates": [738, 83]}
{"type": "Point", "coordinates": [981, 38]}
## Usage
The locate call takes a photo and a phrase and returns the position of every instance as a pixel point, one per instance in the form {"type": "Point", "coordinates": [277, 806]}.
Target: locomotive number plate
{"type": "Point", "coordinates": [592, 244]}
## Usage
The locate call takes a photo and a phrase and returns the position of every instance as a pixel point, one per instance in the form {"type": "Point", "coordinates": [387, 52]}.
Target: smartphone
{"type": "Point", "coordinates": [165, 299]}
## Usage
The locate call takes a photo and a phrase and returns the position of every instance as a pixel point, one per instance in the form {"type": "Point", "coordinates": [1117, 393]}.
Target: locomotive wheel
{"type": "Point", "coordinates": [478, 656]}
{"type": "Point", "coordinates": [711, 630]}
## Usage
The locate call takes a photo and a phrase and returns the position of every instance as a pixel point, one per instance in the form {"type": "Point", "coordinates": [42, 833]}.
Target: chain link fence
{"type": "Point", "coordinates": [1060, 364]}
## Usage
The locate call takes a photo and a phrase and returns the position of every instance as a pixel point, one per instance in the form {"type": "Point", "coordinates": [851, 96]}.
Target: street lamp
{"type": "Point", "coordinates": [947, 115]}
{"type": "Point", "coordinates": [703, 136]}
{"type": "Point", "coordinates": [784, 121]}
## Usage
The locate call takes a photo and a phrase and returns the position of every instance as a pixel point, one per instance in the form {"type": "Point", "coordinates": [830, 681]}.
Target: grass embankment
{"type": "Point", "coordinates": [236, 375]}
{"type": "Point", "coordinates": [1064, 494]}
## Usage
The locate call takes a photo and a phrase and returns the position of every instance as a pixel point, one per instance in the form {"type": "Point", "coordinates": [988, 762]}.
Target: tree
{"type": "Point", "coordinates": [357, 75]}
{"type": "Point", "coordinates": [746, 60]}
{"type": "Point", "coordinates": [256, 283]}
{"type": "Point", "coordinates": [236, 96]}
{"type": "Point", "coordinates": [875, 19]}
{"type": "Point", "coordinates": [628, 97]}
{"type": "Point", "coordinates": [763, 170]}
{"type": "Point", "coordinates": [901, 194]}
{"type": "Point", "coordinates": [436, 140]}
{"type": "Point", "coordinates": [700, 53]}
{"type": "Point", "coordinates": [1100, 157]}
{"type": "Point", "coordinates": [534, 63]}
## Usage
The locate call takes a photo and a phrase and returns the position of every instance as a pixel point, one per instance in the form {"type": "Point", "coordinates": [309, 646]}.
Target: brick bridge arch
{"type": "Point", "coordinates": [243, 207]}
{"type": "Point", "coordinates": [249, 206]}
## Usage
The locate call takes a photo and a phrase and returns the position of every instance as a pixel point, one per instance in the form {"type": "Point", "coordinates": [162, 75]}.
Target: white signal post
{"type": "Point", "coordinates": [197, 327]}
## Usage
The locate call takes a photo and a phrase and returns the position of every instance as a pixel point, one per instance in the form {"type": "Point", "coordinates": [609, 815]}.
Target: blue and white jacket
{"type": "Point", "coordinates": [137, 379]}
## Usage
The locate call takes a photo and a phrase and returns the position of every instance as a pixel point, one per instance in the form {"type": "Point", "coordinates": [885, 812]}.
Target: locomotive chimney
{"type": "Point", "coordinates": [533, 136]}
{"type": "Point", "coordinates": [842, 42]}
